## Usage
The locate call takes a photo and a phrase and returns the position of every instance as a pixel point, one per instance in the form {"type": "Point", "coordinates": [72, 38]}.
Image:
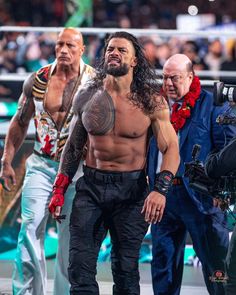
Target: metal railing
{"type": "Point", "coordinates": [138, 32]}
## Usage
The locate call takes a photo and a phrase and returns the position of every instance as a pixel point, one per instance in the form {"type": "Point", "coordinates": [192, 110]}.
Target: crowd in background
{"type": "Point", "coordinates": [27, 52]}
{"type": "Point", "coordinates": [32, 13]}
{"type": "Point", "coordinates": [112, 13]}
{"type": "Point", "coordinates": [156, 13]}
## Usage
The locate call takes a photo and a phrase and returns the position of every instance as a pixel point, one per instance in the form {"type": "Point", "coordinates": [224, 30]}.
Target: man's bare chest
{"type": "Point", "coordinates": [103, 115]}
{"type": "Point", "coordinates": [58, 96]}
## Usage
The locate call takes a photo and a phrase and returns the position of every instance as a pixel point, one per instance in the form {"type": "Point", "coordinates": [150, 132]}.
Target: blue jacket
{"type": "Point", "coordinates": [201, 128]}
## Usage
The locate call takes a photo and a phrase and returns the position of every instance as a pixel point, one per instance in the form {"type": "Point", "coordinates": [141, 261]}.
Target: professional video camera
{"type": "Point", "coordinates": [222, 93]}
{"type": "Point", "coordinates": [223, 189]}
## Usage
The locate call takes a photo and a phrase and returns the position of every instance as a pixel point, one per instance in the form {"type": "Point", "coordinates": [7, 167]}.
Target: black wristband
{"type": "Point", "coordinates": [163, 182]}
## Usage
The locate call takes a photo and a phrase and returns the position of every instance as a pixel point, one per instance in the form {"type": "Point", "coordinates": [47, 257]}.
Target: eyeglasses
{"type": "Point", "coordinates": [173, 78]}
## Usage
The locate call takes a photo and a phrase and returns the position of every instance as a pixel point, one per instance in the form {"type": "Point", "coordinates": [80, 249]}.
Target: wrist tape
{"type": "Point", "coordinates": [163, 182]}
{"type": "Point", "coordinates": [59, 188]}
{"type": "Point", "coordinates": [61, 184]}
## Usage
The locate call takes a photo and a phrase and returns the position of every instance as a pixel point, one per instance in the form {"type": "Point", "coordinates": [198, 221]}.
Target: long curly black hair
{"type": "Point", "coordinates": [145, 81]}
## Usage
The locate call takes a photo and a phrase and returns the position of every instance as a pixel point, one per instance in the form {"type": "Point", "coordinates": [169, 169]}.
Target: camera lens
{"type": "Point", "coordinates": [224, 92]}
{"type": "Point", "coordinates": [229, 93]}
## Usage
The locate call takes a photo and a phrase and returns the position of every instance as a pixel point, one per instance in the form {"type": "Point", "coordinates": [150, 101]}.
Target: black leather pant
{"type": "Point", "coordinates": [107, 201]}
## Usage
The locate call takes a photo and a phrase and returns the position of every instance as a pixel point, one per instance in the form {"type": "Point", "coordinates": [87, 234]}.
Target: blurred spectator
{"type": "Point", "coordinates": [191, 49]}
{"type": "Point", "coordinates": [4, 91]}
{"type": "Point", "coordinates": [39, 55]}
{"type": "Point", "coordinates": [8, 60]}
{"type": "Point", "coordinates": [214, 56]}
{"type": "Point", "coordinates": [230, 63]}
{"type": "Point", "coordinates": [175, 45]}
{"type": "Point", "coordinates": [163, 53]}
{"type": "Point", "coordinates": [156, 54]}
{"type": "Point", "coordinates": [93, 50]}
{"type": "Point", "coordinates": [9, 65]}
{"type": "Point", "coordinates": [124, 22]}
{"type": "Point", "coordinates": [150, 50]}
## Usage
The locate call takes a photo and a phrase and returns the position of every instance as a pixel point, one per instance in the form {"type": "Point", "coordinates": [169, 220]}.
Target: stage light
{"type": "Point", "coordinates": [193, 10]}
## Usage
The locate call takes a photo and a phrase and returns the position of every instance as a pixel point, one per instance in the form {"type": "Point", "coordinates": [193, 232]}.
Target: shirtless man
{"type": "Point", "coordinates": [113, 115]}
{"type": "Point", "coordinates": [47, 96]}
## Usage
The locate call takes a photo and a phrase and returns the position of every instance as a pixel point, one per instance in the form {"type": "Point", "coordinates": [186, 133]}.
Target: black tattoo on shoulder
{"type": "Point", "coordinates": [82, 96]}
{"type": "Point", "coordinates": [96, 109]}
{"type": "Point", "coordinates": [98, 115]}
{"type": "Point", "coordinates": [25, 105]}
{"type": "Point", "coordinates": [68, 91]}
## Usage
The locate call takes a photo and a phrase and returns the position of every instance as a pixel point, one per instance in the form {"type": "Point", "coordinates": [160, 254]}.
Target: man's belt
{"type": "Point", "coordinates": [177, 181]}
{"type": "Point", "coordinates": [112, 176]}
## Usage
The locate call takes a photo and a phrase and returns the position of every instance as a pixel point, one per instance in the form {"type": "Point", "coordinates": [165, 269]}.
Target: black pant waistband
{"type": "Point", "coordinates": [107, 176]}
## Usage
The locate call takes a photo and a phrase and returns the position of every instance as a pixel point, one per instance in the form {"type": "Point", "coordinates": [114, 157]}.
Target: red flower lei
{"type": "Point", "coordinates": [178, 117]}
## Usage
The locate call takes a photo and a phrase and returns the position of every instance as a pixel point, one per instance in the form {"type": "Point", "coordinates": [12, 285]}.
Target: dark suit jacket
{"type": "Point", "coordinates": [201, 128]}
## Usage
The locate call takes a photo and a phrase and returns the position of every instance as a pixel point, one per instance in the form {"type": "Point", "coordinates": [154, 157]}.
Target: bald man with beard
{"type": "Point", "coordinates": [47, 97]}
{"type": "Point", "coordinates": [193, 116]}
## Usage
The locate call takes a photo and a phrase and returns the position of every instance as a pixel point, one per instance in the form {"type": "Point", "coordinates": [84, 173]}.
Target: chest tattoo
{"type": "Point", "coordinates": [99, 114]}
{"type": "Point", "coordinates": [67, 93]}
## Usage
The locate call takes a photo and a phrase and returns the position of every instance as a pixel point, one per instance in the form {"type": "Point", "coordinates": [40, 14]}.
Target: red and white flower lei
{"type": "Point", "coordinates": [178, 117]}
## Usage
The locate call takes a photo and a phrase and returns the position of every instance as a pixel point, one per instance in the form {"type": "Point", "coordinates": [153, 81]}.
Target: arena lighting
{"type": "Point", "coordinates": [193, 10]}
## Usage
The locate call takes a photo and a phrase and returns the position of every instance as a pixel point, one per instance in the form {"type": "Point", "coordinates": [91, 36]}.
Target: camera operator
{"type": "Point", "coordinates": [217, 165]}
{"type": "Point", "coordinates": [223, 162]}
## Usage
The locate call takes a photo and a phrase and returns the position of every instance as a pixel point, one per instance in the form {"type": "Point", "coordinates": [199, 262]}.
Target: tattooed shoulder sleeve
{"type": "Point", "coordinates": [28, 84]}
{"type": "Point", "coordinates": [25, 109]}
{"type": "Point", "coordinates": [82, 96]}
{"type": "Point", "coordinates": [73, 150]}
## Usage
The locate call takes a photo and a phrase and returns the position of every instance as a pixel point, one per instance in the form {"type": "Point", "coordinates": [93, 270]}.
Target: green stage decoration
{"type": "Point", "coordinates": [80, 13]}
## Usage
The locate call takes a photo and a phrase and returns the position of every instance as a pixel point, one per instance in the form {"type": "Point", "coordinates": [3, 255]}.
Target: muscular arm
{"type": "Point", "coordinates": [17, 131]}
{"type": "Point", "coordinates": [73, 150]}
{"type": "Point", "coordinates": [19, 123]}
{"type": "Point", "coordinates": [167, 140]}
{"type": "Point", "coordinates": [70, 158]}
